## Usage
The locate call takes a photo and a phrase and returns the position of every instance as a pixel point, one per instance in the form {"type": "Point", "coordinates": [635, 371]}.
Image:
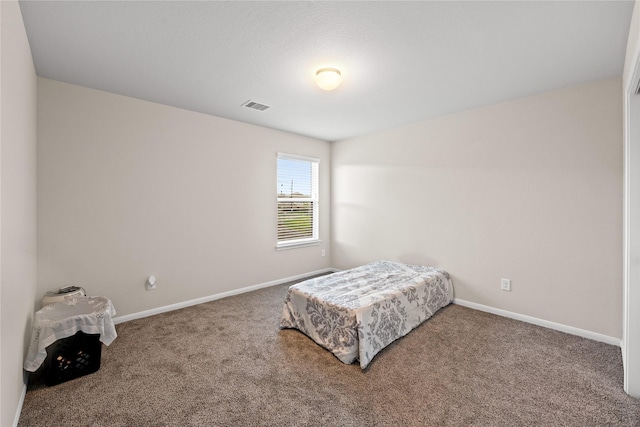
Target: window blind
{"type": "Point", "coordinates": [297, 195]}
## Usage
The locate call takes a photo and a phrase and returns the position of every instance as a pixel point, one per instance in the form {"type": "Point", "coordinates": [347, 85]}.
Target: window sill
{"type": "Point", "coordinates": [293, 245]}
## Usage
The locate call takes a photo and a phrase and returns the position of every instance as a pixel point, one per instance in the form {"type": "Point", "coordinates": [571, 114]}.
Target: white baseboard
{"type": "Point", "coordinates": [16, 418]}
{"type": "Point", "coordinates": [177, 306]}
{"type": "Point", "coordinates": [544, 323]}
{"type": "Point", "coordinates": [504, 313]}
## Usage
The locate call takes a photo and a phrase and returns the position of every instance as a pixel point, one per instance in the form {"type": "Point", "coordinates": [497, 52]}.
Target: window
{"type": "Point", "coordinates": [297, 192]}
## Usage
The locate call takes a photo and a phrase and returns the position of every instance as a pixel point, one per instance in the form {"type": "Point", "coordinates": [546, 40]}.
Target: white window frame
{"type": "Point", "coordinates": [315, 199]}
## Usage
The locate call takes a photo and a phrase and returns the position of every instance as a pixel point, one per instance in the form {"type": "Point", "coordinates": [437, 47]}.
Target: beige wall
{"type": "Point", "coordinates": [529, 190]}
{"type": "Point", "coordinates": [129, 188]}
{"type": "Point", "coordinates": [633, 42]}
{"type": "Point", "coordinates": [18, 204]}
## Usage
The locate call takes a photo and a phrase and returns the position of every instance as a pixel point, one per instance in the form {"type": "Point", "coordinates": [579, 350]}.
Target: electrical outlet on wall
{"type": "Point", "coordinates": [505, 284]}
{"type": "Point", "coordinates": [151, 283]}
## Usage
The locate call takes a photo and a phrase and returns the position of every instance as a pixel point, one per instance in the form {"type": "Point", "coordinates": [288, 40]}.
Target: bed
{"type": "Point", "coordinates": [356, 313]}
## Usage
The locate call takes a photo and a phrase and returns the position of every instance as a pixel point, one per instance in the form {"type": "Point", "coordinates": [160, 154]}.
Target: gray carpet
{"type": "Point", "coordinates": [227, 363]}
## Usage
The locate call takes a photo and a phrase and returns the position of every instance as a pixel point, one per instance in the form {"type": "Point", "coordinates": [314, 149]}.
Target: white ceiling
{"type": "Point", "coordinates": [401, 61]}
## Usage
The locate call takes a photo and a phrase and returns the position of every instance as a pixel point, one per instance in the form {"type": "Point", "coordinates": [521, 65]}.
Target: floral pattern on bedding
{"type": "Point", "coordinates": [356, 313]}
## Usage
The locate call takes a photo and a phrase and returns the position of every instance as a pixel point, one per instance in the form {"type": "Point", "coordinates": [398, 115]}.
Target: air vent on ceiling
{"type": "Point", "coordinates": [255, 105]}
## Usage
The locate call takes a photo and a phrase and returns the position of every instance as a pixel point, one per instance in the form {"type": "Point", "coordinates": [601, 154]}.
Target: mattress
{"type": "Point", "coordinates": [356, 313]}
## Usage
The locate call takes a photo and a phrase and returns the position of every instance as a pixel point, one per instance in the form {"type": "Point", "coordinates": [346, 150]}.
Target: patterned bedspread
{"type": "Point", "coordinates": [356, 313]}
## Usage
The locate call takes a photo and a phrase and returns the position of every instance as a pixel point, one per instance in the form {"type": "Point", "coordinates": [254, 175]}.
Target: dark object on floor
{"type": "Point", "coordinates": [72, 357]}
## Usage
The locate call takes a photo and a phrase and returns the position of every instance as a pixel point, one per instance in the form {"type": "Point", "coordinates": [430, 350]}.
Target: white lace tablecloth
{"type": "Point", "coordinates": [91, 315]}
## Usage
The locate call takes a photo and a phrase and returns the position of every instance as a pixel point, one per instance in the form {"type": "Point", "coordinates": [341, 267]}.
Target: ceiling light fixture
{"type": "Point", "coordinates": [328, 78]}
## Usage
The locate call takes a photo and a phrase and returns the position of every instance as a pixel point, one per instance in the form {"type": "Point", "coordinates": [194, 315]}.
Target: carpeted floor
{"type": "Point", "coordinates": [226, 363]}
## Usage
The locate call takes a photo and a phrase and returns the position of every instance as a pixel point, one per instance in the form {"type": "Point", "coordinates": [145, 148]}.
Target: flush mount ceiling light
{"type": "Point", "coordinates": [328, 78]}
